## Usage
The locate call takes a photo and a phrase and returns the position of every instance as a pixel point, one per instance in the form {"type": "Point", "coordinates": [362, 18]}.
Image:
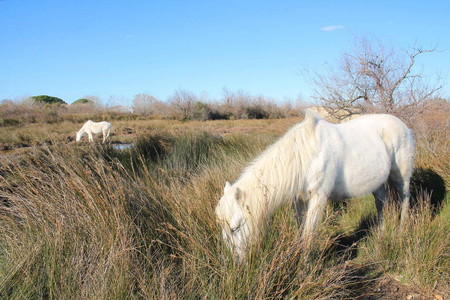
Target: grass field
{"type": "Point", "coordinates": [82, 221]}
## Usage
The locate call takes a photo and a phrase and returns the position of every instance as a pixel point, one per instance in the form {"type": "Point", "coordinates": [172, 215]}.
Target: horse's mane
{"type": "Point", "coordinates": [277, 174]}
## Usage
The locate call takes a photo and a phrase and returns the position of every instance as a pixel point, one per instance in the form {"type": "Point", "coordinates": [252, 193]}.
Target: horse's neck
{"type": "Point", "coordinates": [276, 177]}
{"type": "Point", "coordinates": [267, 191]}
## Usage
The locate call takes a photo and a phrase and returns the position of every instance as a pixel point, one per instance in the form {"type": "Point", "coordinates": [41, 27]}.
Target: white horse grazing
{"type": "Point", "coordinates": [313, 161]}
{"type": "Point", "coordinates": [90, 128]}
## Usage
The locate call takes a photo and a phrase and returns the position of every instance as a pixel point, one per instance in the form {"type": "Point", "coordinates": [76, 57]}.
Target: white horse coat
{"type": "Point", "coordinates": [90, 128]}
{"type": "Point", "coordinates": [316, 160]}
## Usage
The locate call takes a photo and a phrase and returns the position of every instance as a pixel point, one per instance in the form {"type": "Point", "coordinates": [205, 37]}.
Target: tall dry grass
{"type": "Point", "coordinates": [92, 222]}
{"type": "Point", "coordinates": [417, 252]}
{"type": "Point", "coordinates": [67, 227]}
{"type": "Point", "coordinates": [77, 223]}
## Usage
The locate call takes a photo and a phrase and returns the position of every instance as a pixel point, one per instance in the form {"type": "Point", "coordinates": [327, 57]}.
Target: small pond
{"type": "Point", "coordinates": [122, 146]}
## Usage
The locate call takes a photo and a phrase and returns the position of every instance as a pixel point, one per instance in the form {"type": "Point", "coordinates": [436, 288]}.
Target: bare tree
{"type": "Point", "coordinates": [144, 104]}
{"type": "Point", "coordinates": [376, 79]}
{"type": "Point", "coordinates": [97, 102]}
{"type": "Point", "coordinates": [236, 103]}
{"type": "Point", "coordinates": [183, 102]}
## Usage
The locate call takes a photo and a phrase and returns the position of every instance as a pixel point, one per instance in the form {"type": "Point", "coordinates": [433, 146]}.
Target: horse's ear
{"type": "Point", "coordinates": [238, 194]}
{"type": "Point", "coordinates": [227, 187]}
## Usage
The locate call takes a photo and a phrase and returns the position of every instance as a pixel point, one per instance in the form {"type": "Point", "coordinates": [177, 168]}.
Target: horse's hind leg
{"type": "Point", "coordinates": [380, 198]}
{"type": "Point", "coordinates": [399, 181]}
{"type": "Point", "coordinates": [401, 170]}
{"type": "Point", "coordinates": [400, 185]}
{"type": "Point", "coordinates": [400, 176]}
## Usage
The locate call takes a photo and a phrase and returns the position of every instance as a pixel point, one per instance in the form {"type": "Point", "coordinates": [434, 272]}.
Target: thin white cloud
{"type": "Point", "coordinates": [332, 27]}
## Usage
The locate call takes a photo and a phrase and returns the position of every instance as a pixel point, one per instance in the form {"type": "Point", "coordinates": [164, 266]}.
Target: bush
{"type": "Point", "coordinates": [9, 122]}
{"type": "Point", "coordinates": [48, 100]}
{"type": "Point", "coordinates": [256, 112]}
{"type": "Point", "coordinates": [83, 101]}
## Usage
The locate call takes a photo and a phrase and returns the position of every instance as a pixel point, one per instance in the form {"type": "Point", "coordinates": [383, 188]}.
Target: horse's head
{"type": "Point", "coordinates": [79, 135]}
{"type": "Point", "coordinates": [234, 219]}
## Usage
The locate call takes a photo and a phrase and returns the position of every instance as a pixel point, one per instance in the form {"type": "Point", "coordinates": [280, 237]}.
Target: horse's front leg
{"type": "Point", "coordinates": [105, 136]}
{"type": "Point", "coordinates": [316, 206]}
{"type": "Point", "coordinates": [90, 137]}
{"type": "Point", "coordinates": [300, 207]}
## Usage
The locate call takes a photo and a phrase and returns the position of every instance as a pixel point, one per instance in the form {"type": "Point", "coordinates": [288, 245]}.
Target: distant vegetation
{"type": "Point", "coordinates": [48, 100]}
{"type": "Point", "coordinates": [182, 105]}
{"type": "Point", "coordinates": [82, 101]}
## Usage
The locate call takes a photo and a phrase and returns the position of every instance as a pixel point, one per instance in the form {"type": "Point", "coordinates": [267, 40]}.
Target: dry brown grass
{"type": "Point", "coordinates": [87, 221]}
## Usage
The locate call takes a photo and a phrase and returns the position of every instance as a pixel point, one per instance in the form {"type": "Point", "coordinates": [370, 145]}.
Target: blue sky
{"type": "Point", "coordinates": [117, 49]}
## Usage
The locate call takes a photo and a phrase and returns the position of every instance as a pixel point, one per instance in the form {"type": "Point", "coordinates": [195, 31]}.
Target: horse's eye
{"type": "Point", "coordinates": [234, 229]}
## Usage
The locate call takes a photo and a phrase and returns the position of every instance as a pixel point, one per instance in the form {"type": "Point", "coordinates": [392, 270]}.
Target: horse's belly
{"type": "Point", "coordinates": [361, 177]}
{"type": "Point", "coordinates": [356, 188]}
{"type": "Point", "coordinates": [96, 131]}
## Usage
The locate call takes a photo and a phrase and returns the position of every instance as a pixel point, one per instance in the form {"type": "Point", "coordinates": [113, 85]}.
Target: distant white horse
{"type": "Point", "coordinates": [90, 128]}
{"type": "Point", "coordinates": [313, 161]}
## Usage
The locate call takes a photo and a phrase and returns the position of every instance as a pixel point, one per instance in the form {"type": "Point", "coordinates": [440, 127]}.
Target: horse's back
{"type": "Point", "coordinates": [375, 121]}
{"type": "Point", "coordinates": [98, 127]}
{"type": "Point", "coordinates": [392, 131]}
{"type": "Point", "coordinates": [366, 148]}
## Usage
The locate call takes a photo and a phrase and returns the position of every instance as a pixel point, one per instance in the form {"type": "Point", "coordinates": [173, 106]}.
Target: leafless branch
{"type": "Point", "coordinates": [375, 78]}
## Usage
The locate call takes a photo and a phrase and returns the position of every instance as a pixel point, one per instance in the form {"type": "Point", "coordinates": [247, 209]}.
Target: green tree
{"type": "Point", "coordinates": [44, 99]}
{"type": "Point", "coordinates": [83, 101]}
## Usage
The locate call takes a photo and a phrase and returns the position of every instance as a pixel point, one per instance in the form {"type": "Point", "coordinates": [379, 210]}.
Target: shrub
{"type": "Point", "coordinates": [9, 122]}
{"type": "Point", "coordinates": [83, 101]}
{"type": "Point", "coordinates": [256, 112]}
{"type": "Point", "coordinates": [48, 100]}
